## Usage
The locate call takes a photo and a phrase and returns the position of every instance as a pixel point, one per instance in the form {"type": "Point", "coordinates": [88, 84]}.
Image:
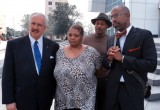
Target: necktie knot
{"type": "Point", "coordinates": [36, 42]}
{"type": "Point", "coordinates": [119, 34]}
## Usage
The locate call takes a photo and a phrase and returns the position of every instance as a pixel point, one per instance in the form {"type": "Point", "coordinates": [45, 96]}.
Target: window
{"type": "Point", "coordinates": [56, 3]}
{"type": "Point", "coordinates": [49, 3]}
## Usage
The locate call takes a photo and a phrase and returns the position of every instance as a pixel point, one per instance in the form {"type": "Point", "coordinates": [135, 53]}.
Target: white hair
{"type": "Point", "coordinates": [39, 14]}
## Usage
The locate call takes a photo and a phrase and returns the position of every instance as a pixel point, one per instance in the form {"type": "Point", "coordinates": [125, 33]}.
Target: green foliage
{"type": "Point", "coordinates": [25, 22]}
{"type": "Point", "coordinates": [10, 32]}
{"type": "Point", "coordinates": [61, 19]}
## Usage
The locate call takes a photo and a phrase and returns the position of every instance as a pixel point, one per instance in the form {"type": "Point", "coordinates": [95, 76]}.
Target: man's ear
{"type": "Point", "coordinates": [128, 15]}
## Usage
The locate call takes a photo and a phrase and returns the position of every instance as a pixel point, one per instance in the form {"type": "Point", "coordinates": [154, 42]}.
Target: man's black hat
{"type": "Point", "coordinates": [102, 16]}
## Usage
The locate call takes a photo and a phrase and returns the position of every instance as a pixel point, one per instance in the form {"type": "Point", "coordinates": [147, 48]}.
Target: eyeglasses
{"type": "Point", "coordinates": [116, 15]}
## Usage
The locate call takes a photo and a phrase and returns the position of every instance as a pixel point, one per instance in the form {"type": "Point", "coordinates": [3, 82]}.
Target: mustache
{"type": "Point", "coordinates": [98, 29]}
{"type": "Point", "coordinates": [115, 23]}
{"type": "Point", "coordinates": [35, 30]}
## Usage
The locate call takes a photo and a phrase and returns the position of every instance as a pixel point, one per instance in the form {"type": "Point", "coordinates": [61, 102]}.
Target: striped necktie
{"type": "Point", "coordinates": [37, 55]}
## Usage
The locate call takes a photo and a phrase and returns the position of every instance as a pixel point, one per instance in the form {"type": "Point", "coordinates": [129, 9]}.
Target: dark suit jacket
{"type": "Point", "coordinates": [20, 81]}
{"type": "Point", "coordinates": [141, 57]}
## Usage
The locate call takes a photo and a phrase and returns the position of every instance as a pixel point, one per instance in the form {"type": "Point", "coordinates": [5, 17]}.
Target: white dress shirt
{"type": "Point", "coordinates": [40, 46]}
{"type": "Point", "coordinates": [122, 40]}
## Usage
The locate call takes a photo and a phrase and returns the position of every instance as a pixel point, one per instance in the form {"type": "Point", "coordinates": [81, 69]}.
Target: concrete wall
{"type": "Point", "coordinates": [96, 5]}
{"type": "Point", "coordinates": [144, 13]}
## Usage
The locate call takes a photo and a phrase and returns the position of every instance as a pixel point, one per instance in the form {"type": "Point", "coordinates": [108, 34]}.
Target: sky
{"type": "Point", "coordinates": [15, 9]}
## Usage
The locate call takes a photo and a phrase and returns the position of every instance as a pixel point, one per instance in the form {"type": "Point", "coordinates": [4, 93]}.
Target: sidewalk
{"type": "Point", "coordinates": [3, 45]}
{"type": "Point", "coordinates": [2, 107]}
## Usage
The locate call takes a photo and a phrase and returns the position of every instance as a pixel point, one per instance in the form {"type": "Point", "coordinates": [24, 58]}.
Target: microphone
{"type": "Point", "coordinates": [115, 41]}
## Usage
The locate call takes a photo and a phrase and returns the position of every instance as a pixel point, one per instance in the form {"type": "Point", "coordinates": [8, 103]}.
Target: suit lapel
{"type": "Point", "coordinates": [45, 54]}
{"type": "Point", "coordinates": [29, 54]}
{"type": "Point", "coordinates": [129, 39]}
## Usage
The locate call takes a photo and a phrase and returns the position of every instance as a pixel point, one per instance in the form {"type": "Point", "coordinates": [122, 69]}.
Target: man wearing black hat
{"type": "Point", "coordinates": [98, 40]}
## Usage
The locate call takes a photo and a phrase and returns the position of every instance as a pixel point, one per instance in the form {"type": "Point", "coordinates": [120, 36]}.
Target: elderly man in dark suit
{"type": "Point", "coordinates": [27, 80]}
{"type": "Point", "coordinates": [134, 52]}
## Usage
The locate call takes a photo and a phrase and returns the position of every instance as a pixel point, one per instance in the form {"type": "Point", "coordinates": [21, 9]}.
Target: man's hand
{"type": "Point", "coordinates": [114, 53]}
{"type": "Point", "coordinates": [11, 106]}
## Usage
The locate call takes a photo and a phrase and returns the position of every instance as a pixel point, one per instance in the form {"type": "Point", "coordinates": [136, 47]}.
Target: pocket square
{"type": "Point", "coordinates": [51, 57]}
{"type": "Point", "coordinates": [134, 49]}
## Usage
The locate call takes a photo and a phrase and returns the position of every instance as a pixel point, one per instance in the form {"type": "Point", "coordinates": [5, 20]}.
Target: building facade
{"type": "Point", "coordinates": [51, 5]}
{"type": "Point", "coordinates": [144, 13]}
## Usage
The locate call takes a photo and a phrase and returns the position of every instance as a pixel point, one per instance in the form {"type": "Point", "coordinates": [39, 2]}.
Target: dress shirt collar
{"type": "Point", "coordinates": [32, 40]}
{"type": "Point", "coordinates": [128, 29]}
